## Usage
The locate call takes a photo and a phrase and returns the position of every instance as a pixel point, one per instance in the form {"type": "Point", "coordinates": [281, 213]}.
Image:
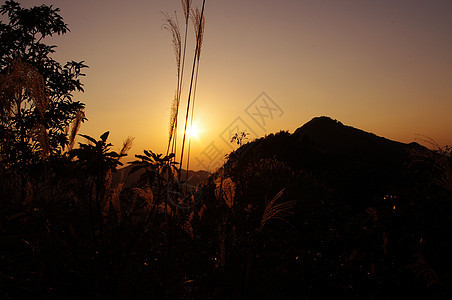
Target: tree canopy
{"type": "Point", "coordinates": [36, 93]}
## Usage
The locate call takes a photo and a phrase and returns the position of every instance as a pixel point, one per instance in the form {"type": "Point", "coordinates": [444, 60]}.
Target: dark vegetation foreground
{"type": "Point", "coordinates": [370, 217]}
{"type": "Point", "coordinates": [328, 211]}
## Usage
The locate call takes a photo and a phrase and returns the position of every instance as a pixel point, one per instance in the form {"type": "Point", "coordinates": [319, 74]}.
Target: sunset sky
{"type": "Point", "coordinates": [381, 66]}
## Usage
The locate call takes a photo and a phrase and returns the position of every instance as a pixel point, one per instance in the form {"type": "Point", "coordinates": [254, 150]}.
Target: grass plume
{"type": "Point", "coordinates": [39, 134]}
{"type": "Point", "coordinates": [198, 21]}
{"type": "Point", "coordinates": [173, 119]}
{"type": "Point", "coordinates": [172, 26]}
{"type": "Point", "coordinates": [21, 82]}
{"type": "Point", "coordinates": [277, 211]}
{"type": "Point", "coordinates": [126, 145]}
{"type": "Point", "coordinates": [186, 6]}
{"type": "Point", "coordinates": [76, 123]}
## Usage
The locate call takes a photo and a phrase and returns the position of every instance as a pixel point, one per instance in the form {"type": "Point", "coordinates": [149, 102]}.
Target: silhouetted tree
{"type": "Point", "coordinates": [36, 93]}
{"type": "Point", "coordinates": [239, 138]}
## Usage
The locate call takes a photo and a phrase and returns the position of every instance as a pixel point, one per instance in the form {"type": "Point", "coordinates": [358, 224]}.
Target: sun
{"type": "Point", "coordinates": [194, 132]}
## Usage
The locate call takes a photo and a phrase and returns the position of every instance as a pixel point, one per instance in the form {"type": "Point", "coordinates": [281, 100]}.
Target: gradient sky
{"type": "Point", "coordinates": [381, 66]}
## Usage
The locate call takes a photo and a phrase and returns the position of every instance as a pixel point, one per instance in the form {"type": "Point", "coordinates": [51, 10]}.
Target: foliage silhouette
{"type": "Point", "coordinates": [23, 40]}
{"type": "Point", "coordinates": [96, 156]}
{"type": "Point", "coordinates": [159, 173]}
{"type": "Point", "coordinates": [239, 138]}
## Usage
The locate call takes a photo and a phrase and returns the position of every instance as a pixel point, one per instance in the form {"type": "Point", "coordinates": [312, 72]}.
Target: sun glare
{"type": "Point", "coordinates": [193, 132]}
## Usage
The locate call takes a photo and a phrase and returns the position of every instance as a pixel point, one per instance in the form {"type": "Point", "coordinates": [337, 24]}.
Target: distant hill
{"type": "Point", "coordinates": [354, 162]}
{"type": "Point", "coordinates": [123, 175]}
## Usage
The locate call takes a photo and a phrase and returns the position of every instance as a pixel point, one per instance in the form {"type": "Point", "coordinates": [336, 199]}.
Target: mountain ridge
{"type": "Point", "coordinates": [355, 162]}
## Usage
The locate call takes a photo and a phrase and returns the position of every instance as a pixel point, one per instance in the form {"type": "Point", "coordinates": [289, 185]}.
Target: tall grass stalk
{"type": "Point", "coordinates": [186, 5]}
{"type": "Point", "coordinates": [198, 23]}
{"type": "Point", "coordinates": [172, 26]}
{"type": "Point", "coordinates": [192, 81]}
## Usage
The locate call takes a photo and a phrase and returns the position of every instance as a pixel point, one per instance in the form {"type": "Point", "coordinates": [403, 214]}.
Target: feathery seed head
{"type": "Point", "coordinates": [21, 82]}
{"type": "Point", "coordinates": [126, 146]}
{"type": "Point", "coordinates": [39, 134]}
{"type": "Point", "coordinates": [198, 24]}
{"type": "Point", "coordinates": [173, 27]}
{"type": "Point", "coordinates": [186, 6]}
{"type": "Point", "coordinates": [173, 116]}
{"type": "Point", "coordinates": [277, 211]}
{"type": "Point", "coordinates": [76, 123]}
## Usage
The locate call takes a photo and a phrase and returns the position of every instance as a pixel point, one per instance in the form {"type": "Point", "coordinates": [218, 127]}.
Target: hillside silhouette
{"type": "Point", "coordinates": [359, 164]}
{"type": "Point", "coordinates": [364, 207]}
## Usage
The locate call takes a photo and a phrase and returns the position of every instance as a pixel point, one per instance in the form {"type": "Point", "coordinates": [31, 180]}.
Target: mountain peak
{"type": "Point", "coordinates": [331, 134]}
{"type": "Point", "coordinates": [323, 121]}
